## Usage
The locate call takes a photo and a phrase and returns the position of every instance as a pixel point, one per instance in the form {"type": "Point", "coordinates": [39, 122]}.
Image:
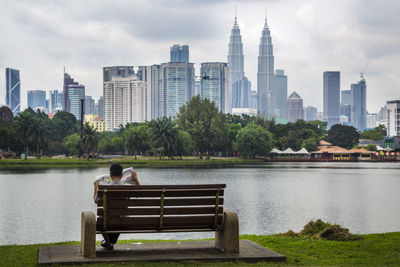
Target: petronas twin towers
{"type": "Point", "coordinates": [266, 103]}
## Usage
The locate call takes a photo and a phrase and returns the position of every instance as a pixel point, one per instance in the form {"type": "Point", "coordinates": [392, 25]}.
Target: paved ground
{"type": "Point", "coordinates": [160, 252]}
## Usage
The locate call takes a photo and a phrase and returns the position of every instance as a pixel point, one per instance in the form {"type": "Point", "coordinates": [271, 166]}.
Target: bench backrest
{"type": "Point", "coordinates": [152, 208]}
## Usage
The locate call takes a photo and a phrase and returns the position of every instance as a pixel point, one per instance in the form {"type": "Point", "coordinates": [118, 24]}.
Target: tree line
{"type": "Point", "coordinates": [198, 129]}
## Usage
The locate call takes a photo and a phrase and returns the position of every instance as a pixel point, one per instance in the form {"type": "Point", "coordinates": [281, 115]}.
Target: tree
{"type": "Point", "coordinates": [21, 128]}
{"type": "Point", "coordinates": [310, 144]}
{"type": "Point", "coordinates": [253, 140]}
{"type": "Point", "coordinates": [117, 144]}
{"type": "Point", "coordinates": [185, 144]}
{"type": "Point", "coordinates": [377, 134]}
{"type": "Point", "coordinates": [39, 132]}
{"type": "Point", "coordinates": [136, 138]}
{"type": "Point", "coordinates": [62, 125]}
{"type": "Point", "coordinates": [207, 126]}
{"type": "Point", "coordinates": [89, 138]}
{"type": "Point", "coordinates": [71, 143]}
{"type": "Point", "coordinates": [164, 134]}
{"type": "Point", "coordinates": [343, 136]}
{"type": "Point", "coordinates": [6, 116]}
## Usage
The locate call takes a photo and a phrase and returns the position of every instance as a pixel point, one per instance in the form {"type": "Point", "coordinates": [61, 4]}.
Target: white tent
{"type": "Point", "coordinates": [288, 151]}
{"type": "Point", "coordinates": [276, 151]}
{"type": "Point", "coordinates": [302, 151]}
{"type": "Point", "coordinates": [387, 149]}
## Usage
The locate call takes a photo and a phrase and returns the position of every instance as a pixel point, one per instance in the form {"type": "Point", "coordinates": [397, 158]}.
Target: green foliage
{"type": "Point", "coordinates": [89, 138]}
{"type": "Point", "coordinates": [310, 144]}
{"type": "Point", "coordinates": [6, 116]}
{"type": "Point", "coordinates": [371, 147]}
{"type": "Point", "coordinates": [21, 127]}
{"type": "Point", "coordinates": [71, 143]}
{"type": "Point", "coordinates": [39, 132]}
{"type": "Point", "coordinates": [343, 136]}
{"type": "Point", "coordinates": [377, 134]}
{"type": "Point", "coordinates": [185, 144]}
{"type": "Point", "coordinates": [117, 144]}
{"type": "Point", "coordinates": [62, 125]}
{"type": "Point", "coordinates": [164, 136]}
{"type": "Point", "coordinates": [136, 138]}
{"type": "Point", "coordinates": [253, 140]}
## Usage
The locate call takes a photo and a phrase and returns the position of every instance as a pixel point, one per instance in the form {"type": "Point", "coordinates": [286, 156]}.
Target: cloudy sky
{"type": "Point", "coordinates": [39, 37]}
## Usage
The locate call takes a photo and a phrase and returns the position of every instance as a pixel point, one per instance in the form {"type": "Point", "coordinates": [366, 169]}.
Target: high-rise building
{"type": "Point", "coordinates": [100, 107]}
{"type": "Point", "coordinates": [345, 97]}
{"type": "Point", "coordinates": [89, 105]}
{"type": "Point", "coordinates": [197, 85]}
{"type": "Point", "coordinates": [150, 75]}
{"type": "Point", "coordinates": [359, 104]}
{"type": "Point", "coordinates": [76, 93]}
{"type": "Point", "coordinates": [265, 74]}
{"type": "Point", "coordinates": [176, 87]}
{"type": "Point", "coordinates": [56, 101]}
{"type": "Point", "coordinates": [294, 107]}
{"type": "Point", "coordinates": [13, 90]}
{"type": "Point", "coordinates": [36, 99]}
{"type": "Point", "coordinates": [393, 110]}
{"type": "Point", "coordinates": [382, 116]}
{"type": "Point", "coordinates": [116, 71]}
{"type": "Point", "coordinates": [68, 81]}
{"type": "Point", "coordinates": [215, 84]}
{"type": "Point", "coordinates": [236, 66]}
{"type": "Point", "coordinates": [371, 120]}
{"type": "Point", "coordinates": [124, 101]}
{"type": "Point", "coordinates": [279, 94]}
{"type": "Point", "coordinates": [332, 97]}
{"type": "Point", "coordinates": [179, 53]}
{"type": "Point", "coordinates": [253, 99]}
{"type": "Point", "coordinates": [310, 113]}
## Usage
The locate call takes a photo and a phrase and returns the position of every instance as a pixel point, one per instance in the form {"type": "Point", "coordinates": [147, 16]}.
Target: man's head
{"type": "Point", "coordinates": [116, 170]}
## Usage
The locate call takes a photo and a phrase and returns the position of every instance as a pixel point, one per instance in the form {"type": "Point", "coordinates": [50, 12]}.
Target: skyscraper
{"type": "Point", "coordinates": [359, 104]}
{"type": "Point", "coordinates": [280, 95]}
{"type": "Point", "coordinates": [13, 90]}
{"type": "Point", "coordinates": [89, 105]}
{"type": "Point", "coordinates": [116, 71]}
{"type": "Point", "coordinates": [36, 99]}
{"type": "Point", "coordinates": [265, 75]}
{"type": "Point", "coordinates": [310, 113]}
{"type": "Point", "coordinates": [150, 75]}
{"type": "Point", "coordinates": [179, 53]}
{"type": "Point", "coordinates": [332, 97]}
{"type": "Point", "coordinates": [393, 118]}
{"type": "Point", "coordinates": [236, 66]}
{"type": "Point", "coordinates": [294, 107]}
{"type": "Point", "coordinates": [70, 83]}
{"type": "Point", "coordinates": [76, 93]}
{"type": "Point", "coordinates": [100, 106]}
{"type": "Point", "coordinates": [215, 84]}
{"type": "Point", "coordinates": [345, 104]}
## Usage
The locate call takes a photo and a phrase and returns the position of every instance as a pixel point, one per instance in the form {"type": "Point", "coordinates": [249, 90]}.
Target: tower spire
{"type": "Point", "coordinates": [266, 23]}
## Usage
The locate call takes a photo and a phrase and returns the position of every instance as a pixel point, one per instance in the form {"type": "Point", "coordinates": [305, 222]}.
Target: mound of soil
{"type": "Point", "coordinates": [314, 227]}
{"type": "Point", "coordinates": [290, 233]}
{"type": "Point", "coordinates": [337, 233]}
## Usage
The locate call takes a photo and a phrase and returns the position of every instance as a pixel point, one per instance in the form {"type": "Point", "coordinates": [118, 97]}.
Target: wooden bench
{"type": "Point", "coordinates": [161, 208]}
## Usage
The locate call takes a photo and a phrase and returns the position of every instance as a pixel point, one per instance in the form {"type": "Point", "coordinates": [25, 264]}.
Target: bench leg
{"type": "Point", "coordinates": [88, 234]}
{"type": "Point", "coordinates": [228, 239]}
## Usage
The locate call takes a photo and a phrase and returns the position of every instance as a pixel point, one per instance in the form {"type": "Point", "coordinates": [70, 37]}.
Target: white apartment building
{"type": "Point", "coordinates": [393, 126]}
{"type": "Point", "coordinates": [124, 101]}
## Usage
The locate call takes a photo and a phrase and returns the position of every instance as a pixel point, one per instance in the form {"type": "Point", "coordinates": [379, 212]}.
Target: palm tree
{"type": "Point", "coordinates": [136, 137]}
{"type": "Point", "coordinates": [164, 134]}
{"type": "Point", "coordinates": [21, 127]}
{"type": "Point", "coordinates": [89, 138]}
{"type": "Point", "coordinates": [39, 133]}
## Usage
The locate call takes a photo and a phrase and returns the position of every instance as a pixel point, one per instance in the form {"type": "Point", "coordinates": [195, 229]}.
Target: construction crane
{"type": "Point", "coordinates": [365, 69]}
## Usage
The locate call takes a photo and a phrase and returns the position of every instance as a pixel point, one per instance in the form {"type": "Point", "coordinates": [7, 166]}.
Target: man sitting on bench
{"type": "Point", "coordinates": [114, 179]}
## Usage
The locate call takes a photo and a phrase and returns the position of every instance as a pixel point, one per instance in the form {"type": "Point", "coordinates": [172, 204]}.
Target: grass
{"type": "Point", "coordinates": [46, 162]}
{"type": "Point", "coordinates": [370, 250]}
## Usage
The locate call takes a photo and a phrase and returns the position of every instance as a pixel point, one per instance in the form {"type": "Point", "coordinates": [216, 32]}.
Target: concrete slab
{"type": "Point", "coordinates": [159, 252]}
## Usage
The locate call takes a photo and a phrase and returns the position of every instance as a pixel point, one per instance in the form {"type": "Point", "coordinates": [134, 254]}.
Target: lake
{"type": "Point", "coordinates": [41, 206]}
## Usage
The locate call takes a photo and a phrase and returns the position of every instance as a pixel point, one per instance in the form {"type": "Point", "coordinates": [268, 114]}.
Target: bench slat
{"type": "Point", "coordinates": [190, 186]}
{"type": "Point", "coordinates": [117, 194]}
{"type": "Point", "coordinates": [137, 202]}
{"type": "Point", "coordinates": [156, 211]}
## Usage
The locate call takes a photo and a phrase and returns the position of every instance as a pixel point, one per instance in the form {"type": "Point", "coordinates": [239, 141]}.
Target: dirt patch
{"type": "Point", "coordinates": [337, 233]}
{"type": "Point", "coordinates": [314, 227]}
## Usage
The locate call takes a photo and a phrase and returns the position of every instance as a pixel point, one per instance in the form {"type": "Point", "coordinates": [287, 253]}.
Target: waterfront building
{"type": "Point", "coordinates": [236, 66]}
{"type": "Point", "coordinates": [253, 99]}
{"type": "Point", "coordinates": [76, 93]}
{"type": "Point", "coordinates": [359, 104]}
{"type": "Point", "coordinates": [124, 101]}
{"type": "Point", "coordinates": [96, 122]}
{"type": "Point", "coordinates": [176, 87]}
{"type": "Point", "coordinates": [279, 94]}
{"type": "Point", "coordinates": [247, 111]}
{"type": "Point", "coordinates": [179, 53]}
{"type": "Point", "coordinates": [100, 107]}
{"type": "Point", "coordinates": [150, 75]}
{"type": "Point", "coordinates": [214, 82]}
{"type": "Point", "coordinates": [310, 113]}
{"type": "Point", "coordinates": [116, 71]}
{"type": "Point", "coordinates": [331, 97]}
{"type": "Point", "coordinates": [294, 107]}
{"type": "Point", "coordinates": [393, 111]}
{"type": "Point", "coordinates": [36, 99]}
{"type": "Point", "coordinates": [13, 90]}
{"type": "Point", "coordinates": [265, 74]}
{"type": "Point", "coordinates": [89, 105]}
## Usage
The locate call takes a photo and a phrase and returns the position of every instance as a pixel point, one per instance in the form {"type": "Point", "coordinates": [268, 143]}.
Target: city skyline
{"type": "Point", "coordinates": [311, 38]}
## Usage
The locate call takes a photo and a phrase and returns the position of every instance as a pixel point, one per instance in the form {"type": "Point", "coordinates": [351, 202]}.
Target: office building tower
{"type": "Point", "coordinates": [197, 85]}
{"type": "Point", "coordinates": [253, 99]}
{"type": "Point", "coordinates": [13, 90]}
{"type": "Point", "coordinates": [176, 87]}
{"type": "Point", "coordinates": [345, 97]}
{"type": "Point", "coordinates": [179, 53]}
{"type": "Point", "coordinates": [36, 99]}
{"type": "Point", "coordinates": [265, 74]}
{"type": "Point", "coordinates": [60, 103]}
{"type": "Point", "coordinates": [56, 101]}
{"type": "Point", "coordinates": [236, 66]}
{"type": "Point", "coordinates": [214, 81]}
{"type": "Point", "coordinates": [310, 113]}
{"type": "Point", "coordinates": [116, 71]}
{"type": "Point", "coordinates": [150, 75]}
{"type": "Point", "coordinates": [76, 93]}
{"type": "Point", "coordinates": [89, 105]}
{"type": "Point", "coordinates": [294, 107]}
{"type": "Point", "coordinates": [371, 121]}
{"type": "Point", "coordinates": [70, 83]}
{"type": "Point", "coordinates": [100, 107]}
{"type": "Point", "coordinates": [359, 104]}
{"type": "Point", "coordinates": [331, 97]}
{"type": "Point", "coordinates": [393, 111]}
{"type": "Point", "coordinates": [124, 101]}
{"type": "Point", "coordinates": [279, 94]}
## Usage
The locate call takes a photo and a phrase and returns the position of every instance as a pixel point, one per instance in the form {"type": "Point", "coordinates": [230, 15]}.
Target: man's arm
{"type": "Point", "coordinates": [96, 186]}
{"type": "Point", "coordinates": [134, 177]}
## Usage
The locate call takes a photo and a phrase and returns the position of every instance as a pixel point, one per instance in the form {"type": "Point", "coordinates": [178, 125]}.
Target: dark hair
{"type": "Point", "coordinates": [116, 169]}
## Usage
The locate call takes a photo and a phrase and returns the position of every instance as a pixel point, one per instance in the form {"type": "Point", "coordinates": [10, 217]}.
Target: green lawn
{"type": "Point", "coordinates": [46, 162]}
{"type": "Point", "coordinates": [371, 250]}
